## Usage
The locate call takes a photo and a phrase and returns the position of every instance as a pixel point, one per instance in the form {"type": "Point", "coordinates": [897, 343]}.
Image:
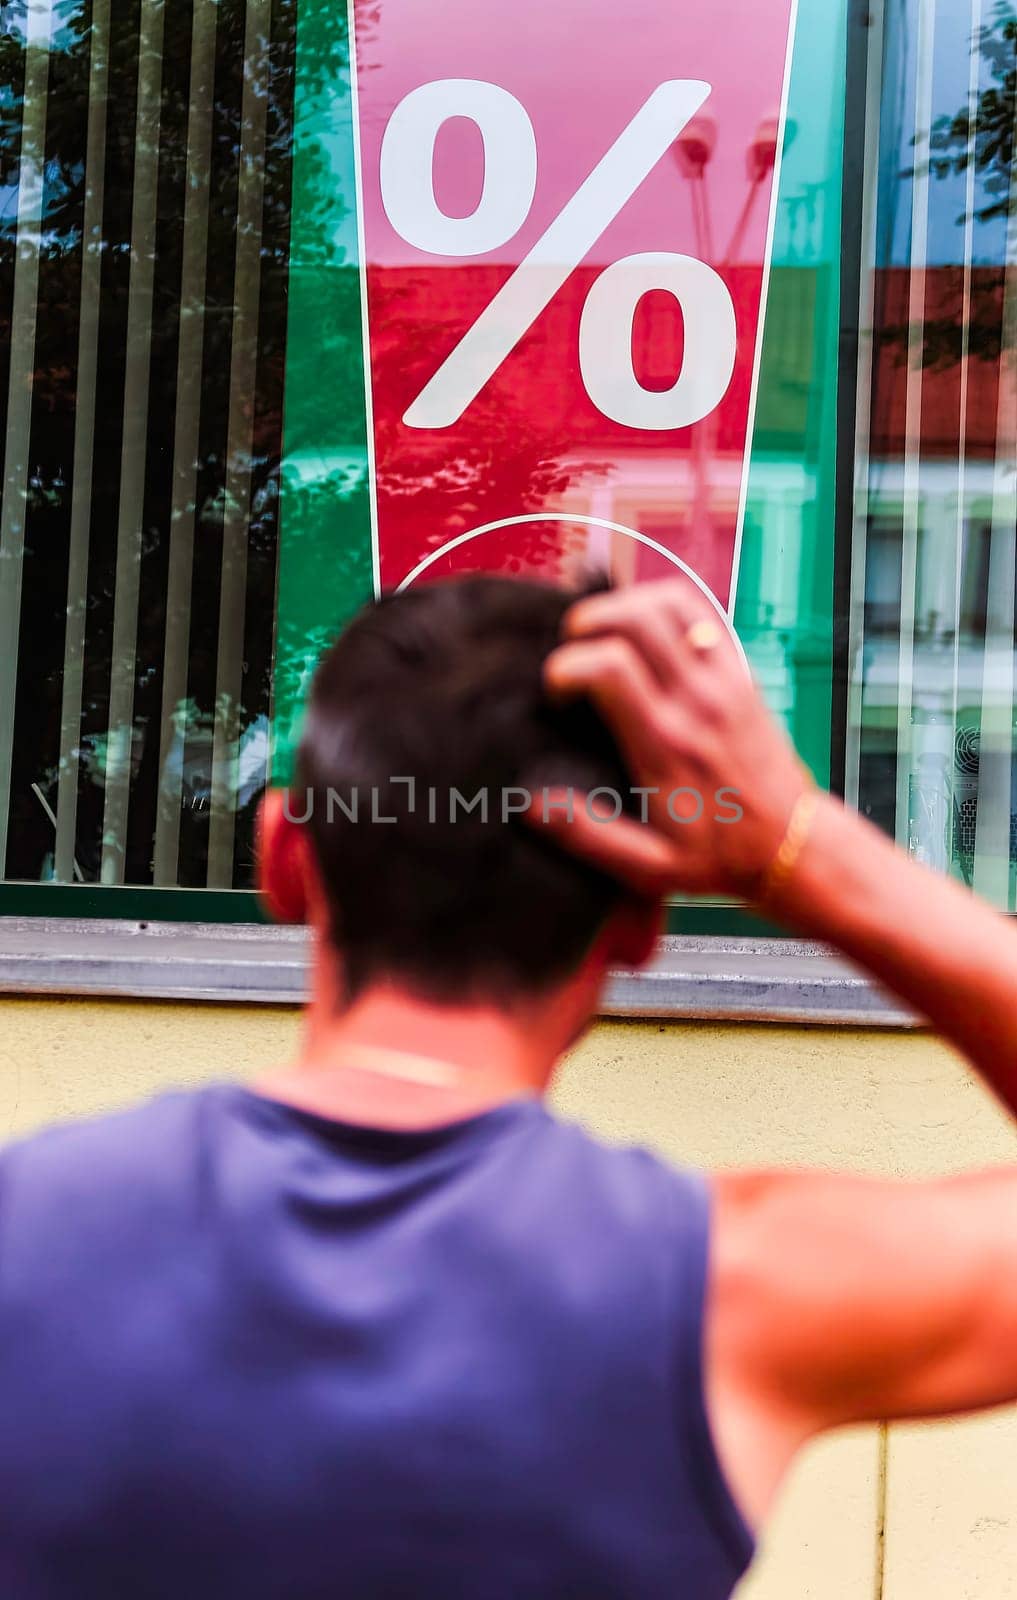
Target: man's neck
{"type": "Point", "coordinates": [394, 1060]}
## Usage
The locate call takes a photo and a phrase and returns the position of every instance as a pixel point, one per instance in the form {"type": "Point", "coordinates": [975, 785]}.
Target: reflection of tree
{"type": "Point", "coordinates": [129, 148]}
{"type": "Point", "coordinates": [984, 141]}
{"type": "Point", "coordinates": [956, 141]}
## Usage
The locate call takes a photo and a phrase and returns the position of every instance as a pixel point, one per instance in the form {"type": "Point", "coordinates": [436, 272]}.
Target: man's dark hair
{"type": "Point", "coordinates": [443, 685]}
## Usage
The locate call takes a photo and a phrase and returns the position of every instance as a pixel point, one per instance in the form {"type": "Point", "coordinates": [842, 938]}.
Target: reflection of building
{"type": "Point", "coordinates": [932, 638]}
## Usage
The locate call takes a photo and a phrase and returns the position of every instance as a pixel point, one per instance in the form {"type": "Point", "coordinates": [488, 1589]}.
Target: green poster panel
{"type": "Point", "coordinates": [785, 603]}
{"type": "Point", "coordinates": [325, 560]}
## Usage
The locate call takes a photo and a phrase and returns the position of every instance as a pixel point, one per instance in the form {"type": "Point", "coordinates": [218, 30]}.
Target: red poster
{"type": "Point", "coordinates": [566, 224]}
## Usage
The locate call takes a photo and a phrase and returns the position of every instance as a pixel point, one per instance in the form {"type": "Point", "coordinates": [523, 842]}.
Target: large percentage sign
{"type": "Point", "coordinates": [510, 181]}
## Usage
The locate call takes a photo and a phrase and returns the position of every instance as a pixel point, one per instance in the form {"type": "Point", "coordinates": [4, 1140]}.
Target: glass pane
{"type": "Point", "coordinates": [931, 748]}
{"type": "Point", "coordinates": [146, 154]}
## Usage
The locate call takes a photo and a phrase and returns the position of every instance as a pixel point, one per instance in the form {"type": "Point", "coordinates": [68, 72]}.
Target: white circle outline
{"type": "Point", "coordinates": [591, 522]}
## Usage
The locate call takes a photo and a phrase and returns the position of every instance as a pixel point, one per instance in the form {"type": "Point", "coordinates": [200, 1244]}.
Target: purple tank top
{"type": "Point", "coordinates": [248, 1352]}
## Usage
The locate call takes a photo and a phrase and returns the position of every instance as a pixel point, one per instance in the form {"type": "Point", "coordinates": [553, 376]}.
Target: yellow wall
{"type": "Point", "coordinates": [927, 1513]}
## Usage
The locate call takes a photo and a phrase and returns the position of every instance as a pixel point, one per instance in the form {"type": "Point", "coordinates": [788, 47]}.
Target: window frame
{"type": "Point", "coordinates": [721, 980]}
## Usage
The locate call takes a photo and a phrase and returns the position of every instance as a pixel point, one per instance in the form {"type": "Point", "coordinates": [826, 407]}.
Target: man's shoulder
{"type": "Point", "coordinates": [630, 1181]}
{"type": "Point", "coordinates": [122, 1155]}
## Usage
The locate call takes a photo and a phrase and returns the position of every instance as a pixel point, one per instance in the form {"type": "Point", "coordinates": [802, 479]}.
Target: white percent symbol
{"type": "Point", "coordinates": [510, 181]}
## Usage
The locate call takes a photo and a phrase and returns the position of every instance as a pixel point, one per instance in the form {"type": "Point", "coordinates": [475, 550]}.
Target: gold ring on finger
{"type": "Point", "coordinates": [704, 636]}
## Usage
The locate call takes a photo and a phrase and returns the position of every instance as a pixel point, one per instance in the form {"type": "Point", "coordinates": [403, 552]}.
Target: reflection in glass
{"type": "Point", "coordinates": [144, 220]}
{"type": "Point", "coordinates": [931, 746]}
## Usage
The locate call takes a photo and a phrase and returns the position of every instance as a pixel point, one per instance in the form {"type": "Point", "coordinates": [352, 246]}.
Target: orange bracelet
{"type": "Point", "coordinates": [781, 868]}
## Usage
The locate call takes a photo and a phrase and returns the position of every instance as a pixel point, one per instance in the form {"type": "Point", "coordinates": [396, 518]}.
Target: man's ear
{"type": "Point", "coordinates": [633, 932]}
{"type": "Point", "coordinates": [284, 863]}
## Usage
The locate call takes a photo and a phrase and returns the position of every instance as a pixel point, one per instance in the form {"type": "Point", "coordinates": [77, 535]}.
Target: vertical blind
{"type": "Point", "coordinates": [144, 222]}
{"type": "Point", "coordinates": [931, 725]}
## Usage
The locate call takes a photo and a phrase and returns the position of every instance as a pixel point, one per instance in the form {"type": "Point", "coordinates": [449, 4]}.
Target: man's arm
{"type": "Point", "coordinates": [932, 942]}
{"type": "Point", "coordinates": [688, 718]}
{"type": "Point", "coordinates": [833, 1299]}
{"type": "Point", "coordinates": [837, 1299]}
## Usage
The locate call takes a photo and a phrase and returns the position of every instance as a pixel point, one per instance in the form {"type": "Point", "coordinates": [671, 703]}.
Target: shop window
{"type": "Point", "coordinates": [211, 338]}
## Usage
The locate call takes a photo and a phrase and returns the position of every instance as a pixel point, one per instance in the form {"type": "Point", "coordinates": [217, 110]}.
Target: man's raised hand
{"type": "Point", "coordinates": [716, 778]}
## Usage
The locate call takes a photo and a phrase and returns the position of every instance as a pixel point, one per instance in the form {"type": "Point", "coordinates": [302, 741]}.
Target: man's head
{"type": "Point", "coordinates": [430, 710]}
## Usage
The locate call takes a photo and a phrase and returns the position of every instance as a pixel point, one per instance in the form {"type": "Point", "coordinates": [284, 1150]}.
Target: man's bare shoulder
{"type": "Point", "coordinates": [837, 1299]}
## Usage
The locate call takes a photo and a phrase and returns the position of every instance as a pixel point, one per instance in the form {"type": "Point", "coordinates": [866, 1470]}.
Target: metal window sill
{"type": "Point", "coordinates": [720, 980]}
